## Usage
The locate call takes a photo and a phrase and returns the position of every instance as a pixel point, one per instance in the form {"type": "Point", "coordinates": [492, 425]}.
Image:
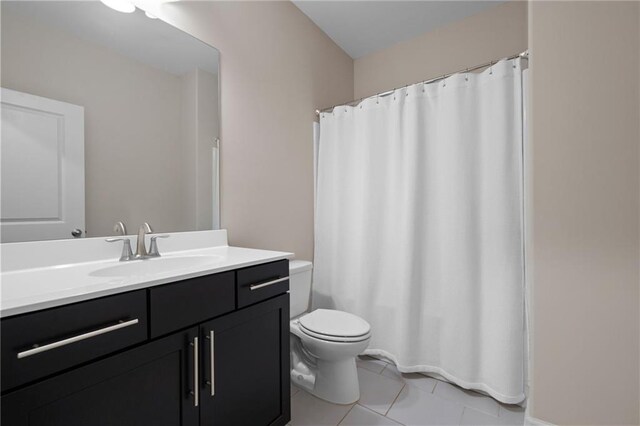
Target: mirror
{"type": "Point", "coordinates": [106, 117]}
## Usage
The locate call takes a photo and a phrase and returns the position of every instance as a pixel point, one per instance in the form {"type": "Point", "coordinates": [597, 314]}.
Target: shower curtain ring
{"type": "Point", "coordinates": [491, 68]}
{"type": "Point", "coordinates": [466, 74]}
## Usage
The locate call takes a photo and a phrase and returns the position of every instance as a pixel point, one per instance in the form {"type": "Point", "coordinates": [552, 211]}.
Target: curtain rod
{"type": "Point", "coordinates": [523, 55]}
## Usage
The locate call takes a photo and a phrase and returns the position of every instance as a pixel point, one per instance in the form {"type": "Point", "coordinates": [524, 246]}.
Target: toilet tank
{"type": "Point", "coordinates": [299, 286]}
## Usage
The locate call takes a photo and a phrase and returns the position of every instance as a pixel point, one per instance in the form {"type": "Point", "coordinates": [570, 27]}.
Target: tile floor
{"type": "Point", "coordinates": [388, 397]}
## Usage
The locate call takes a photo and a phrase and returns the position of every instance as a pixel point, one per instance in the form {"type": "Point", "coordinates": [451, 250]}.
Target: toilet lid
{"type": "Point", "coordinates": [328, 322]}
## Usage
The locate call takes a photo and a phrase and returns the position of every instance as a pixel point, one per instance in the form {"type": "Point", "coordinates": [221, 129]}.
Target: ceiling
{"type": "Point", "coordinates": [150, 41]}
{"type": "Point", "coordinates": [362, 27]}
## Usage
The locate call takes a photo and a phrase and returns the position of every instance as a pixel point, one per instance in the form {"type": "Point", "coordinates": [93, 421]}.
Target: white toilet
{"type": "Point", "coordinates": [324, 343]}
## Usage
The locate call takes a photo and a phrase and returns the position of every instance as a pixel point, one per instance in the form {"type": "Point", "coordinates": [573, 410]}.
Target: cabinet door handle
{"type": "Point", "coordinates": [39, 349]}
{"type": "Point", "coordinates": [196, 373]}
{"type": "Point", "coordinates": [212, 360]}
{"type": "Point", "coordinates": [268, 283]}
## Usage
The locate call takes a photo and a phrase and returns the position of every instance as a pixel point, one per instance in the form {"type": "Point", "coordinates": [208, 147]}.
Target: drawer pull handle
{"type": "Point", "coordinates": [268, 283]}
{"type": "Point", "coordinates": [196, 373]}
{"type": "Point", "coordinates": [212, 360]}
{"type": "Point", "coordinates": [38, 349]}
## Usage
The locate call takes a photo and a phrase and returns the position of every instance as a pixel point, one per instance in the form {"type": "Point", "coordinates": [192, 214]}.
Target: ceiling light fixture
{"type": "Point", "coordinates": [151, 16]}
{"type": "Point", "coordinates": [123, 6]}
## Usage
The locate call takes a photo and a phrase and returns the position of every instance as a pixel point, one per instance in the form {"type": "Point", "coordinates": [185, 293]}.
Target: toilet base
{"type": "Point", "coordinates": [325, 368]}
{"type": "Point", "coordinates": [337, 381]}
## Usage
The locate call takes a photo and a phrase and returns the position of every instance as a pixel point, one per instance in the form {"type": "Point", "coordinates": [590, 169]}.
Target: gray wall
{"type": "Point", "coordinates": [277, 67]}
{"type": "Point", "coordinates": [494, 33]}
{"type": "Point", "coordinates": [585, 130]}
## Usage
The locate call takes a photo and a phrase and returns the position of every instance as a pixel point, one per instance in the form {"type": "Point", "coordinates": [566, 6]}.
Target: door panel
{"type": "Point", "coordinates": [250, 373]}
{"type": "Point", "coordinates": [42, 168]}
{"type": "Point", "coordinates": [148, 385]}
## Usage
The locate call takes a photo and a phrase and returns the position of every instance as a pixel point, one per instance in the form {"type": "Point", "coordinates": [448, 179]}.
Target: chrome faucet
{"type": "Point", "coordinates": [141, 247]}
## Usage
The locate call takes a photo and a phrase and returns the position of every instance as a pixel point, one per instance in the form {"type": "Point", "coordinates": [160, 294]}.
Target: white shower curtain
{"type": "Point", "coordinates": [419, 226]}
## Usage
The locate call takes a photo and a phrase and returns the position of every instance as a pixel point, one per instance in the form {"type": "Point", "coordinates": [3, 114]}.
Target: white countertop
{"type": "Point", "coordinates": [31, 289]}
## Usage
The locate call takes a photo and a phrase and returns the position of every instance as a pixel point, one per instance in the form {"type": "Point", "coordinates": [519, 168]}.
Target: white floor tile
{"type": "Point", "coordinates": [414, 379]}
{"type": "Point", "coordinates": [360, 416]}
{"type": "Point", "coordinates": [467, 398]}
{"type": "Point", "coordinates": [307, 410]}
{"type": "Point", "coordinates": [512, 414]}
{"type": "Point", "coordinates": [377, 392]}
{"type": "Point", "coordinates": [370, 363]}
{"type": "Point", "coordinates": [414, 407]}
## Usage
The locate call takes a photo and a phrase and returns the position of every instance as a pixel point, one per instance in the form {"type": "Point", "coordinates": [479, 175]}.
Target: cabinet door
{"type": "Point", "coordinates": [148, 385]}
{"type": "Point", "coordinates": [245, 362]}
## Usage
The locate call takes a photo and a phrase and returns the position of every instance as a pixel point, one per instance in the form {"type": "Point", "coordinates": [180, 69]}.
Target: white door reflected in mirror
{"type": "Point", "coordinates": [42, 168]}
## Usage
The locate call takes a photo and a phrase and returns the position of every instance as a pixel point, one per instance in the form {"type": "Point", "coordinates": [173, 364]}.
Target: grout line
{"type": "Point", "coordinates": [385, 367]}
{"type": "Point", "coordinates": [346, 414]}
{"type": "Point", "coordinates": [375, 412]}
{"type": "Point", "coordinates": [297, 389]}
{"type": "Point", "coordinates": [500, 409]}
{"type": "Point", "coordinates": [394, 400]}
{"type": "Point", "coordinates": [464, 408]}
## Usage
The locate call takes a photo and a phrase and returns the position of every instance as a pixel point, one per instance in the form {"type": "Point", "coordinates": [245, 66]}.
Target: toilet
{"type": "Point", "coordinates": [324, 343]}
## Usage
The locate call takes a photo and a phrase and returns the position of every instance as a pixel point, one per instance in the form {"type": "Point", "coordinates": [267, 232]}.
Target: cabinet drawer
{"type": "Point", "coordinates": [41, 343]}
{"type": "Point", "coordinates": [179, 305]}
{"type": "Point", "coordinates": [261, 282]}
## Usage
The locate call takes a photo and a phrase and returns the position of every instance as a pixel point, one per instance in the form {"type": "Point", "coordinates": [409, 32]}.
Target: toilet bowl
{"type": "Point", "coordinates": [324, 343]}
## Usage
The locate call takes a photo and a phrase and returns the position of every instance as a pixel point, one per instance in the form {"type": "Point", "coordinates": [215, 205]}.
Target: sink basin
{"type": "Point", "coordinates": [155, 266]}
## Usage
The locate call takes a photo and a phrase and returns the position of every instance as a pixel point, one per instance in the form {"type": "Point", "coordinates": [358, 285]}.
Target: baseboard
{"type": "Point", "coordinates": [532, 421]}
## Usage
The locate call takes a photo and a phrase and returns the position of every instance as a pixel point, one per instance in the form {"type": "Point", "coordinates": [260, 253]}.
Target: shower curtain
{"type": "Point", "coordinates": [419, 226]}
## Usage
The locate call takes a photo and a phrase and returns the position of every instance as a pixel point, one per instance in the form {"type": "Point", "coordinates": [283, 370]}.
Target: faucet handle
{"type": "Point", "coordinates": [153, 250]}
{"type": "Point", "coordinates": [127, 254]}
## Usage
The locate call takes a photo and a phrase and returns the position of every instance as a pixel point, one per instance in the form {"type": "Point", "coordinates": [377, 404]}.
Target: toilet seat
{"type": "Point", "coordinates": [335, 339]}
{"type": "Point", "coordinates": [335, 326]}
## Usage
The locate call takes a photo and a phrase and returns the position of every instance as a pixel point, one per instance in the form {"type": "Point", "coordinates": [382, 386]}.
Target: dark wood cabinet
{"type": "Point", "coordinates": [246, 382]}
{"type": "Point", "coordinates": [261, 282]}
{"type": "Point", "coordinates": [225, 363]}
{"type": "Point", "coordinates": [178, 305]}
{"type": "Point", "coordinates": [115, 322]}
{"type": "Point", "coordinates": [148, 385]}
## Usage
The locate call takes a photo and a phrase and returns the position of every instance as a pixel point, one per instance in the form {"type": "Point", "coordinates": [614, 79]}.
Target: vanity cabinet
{"type": "Point", "coordinates": [201, 360]}
{"type": "Point", "coordinates": [246, 366]}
